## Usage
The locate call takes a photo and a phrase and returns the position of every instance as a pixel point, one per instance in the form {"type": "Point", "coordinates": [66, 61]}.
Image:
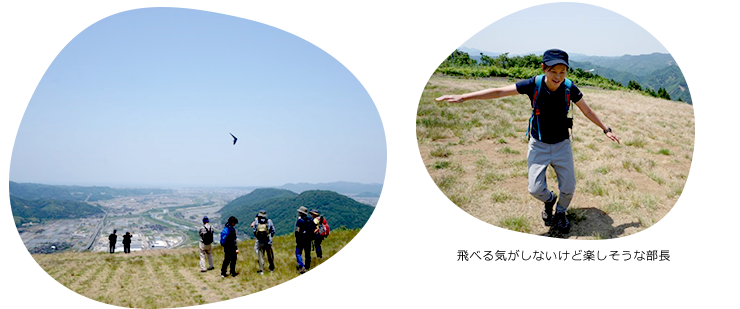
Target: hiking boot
{"type": "Point", "coordinates": [234, 274]}
{"type": "Point", "coordinates": [223, 275]}
{"type": "Point", "coordinates": [302, 270]}
{"type": "Point", "coordinates": [561, 223]}
{"type": "Point", "coordinates": [202, 270]}
{"type": "Point", "coordinates": [210, 268]}
{"type": "Point", "coordinates": [547, 213]}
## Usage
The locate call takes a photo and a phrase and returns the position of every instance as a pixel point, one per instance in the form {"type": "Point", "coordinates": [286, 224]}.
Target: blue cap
{"type": "Point", "coordinates": [205, 219]}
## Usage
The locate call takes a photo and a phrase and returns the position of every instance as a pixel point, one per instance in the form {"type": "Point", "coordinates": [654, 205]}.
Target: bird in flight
{"type": "Point", "coordinates": [232, 135]}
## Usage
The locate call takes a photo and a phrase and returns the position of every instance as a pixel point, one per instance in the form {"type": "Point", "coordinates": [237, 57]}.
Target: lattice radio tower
{"type": "Point", "coordinates": [440, 17]}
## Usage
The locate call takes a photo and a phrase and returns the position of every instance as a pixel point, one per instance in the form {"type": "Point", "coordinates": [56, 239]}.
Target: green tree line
{"type": "Point", "coordinates": [460, 63]}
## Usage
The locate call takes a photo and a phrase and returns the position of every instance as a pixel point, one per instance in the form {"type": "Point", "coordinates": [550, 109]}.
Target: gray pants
{"type": "Point", "coordinates": [560, 156]}
{"type": "Point", "coordinates": [205, 251]}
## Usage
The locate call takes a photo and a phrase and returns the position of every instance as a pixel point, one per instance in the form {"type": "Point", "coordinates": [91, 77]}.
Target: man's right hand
{"type": "Point", "coordinates": [452, 98]}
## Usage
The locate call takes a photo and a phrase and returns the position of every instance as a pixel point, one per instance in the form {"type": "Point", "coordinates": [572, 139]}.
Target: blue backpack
{"type": "Point", "coordinates": [535, 118]}
{"type": "Point", "coordinates": [224, 235]}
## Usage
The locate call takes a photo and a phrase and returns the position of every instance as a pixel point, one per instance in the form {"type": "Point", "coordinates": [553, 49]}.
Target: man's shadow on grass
{"type": "Point", "coordinates": [591, 222]}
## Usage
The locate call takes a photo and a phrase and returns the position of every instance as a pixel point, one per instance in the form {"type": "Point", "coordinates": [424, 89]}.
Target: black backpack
{"type": "Point", "coordinates": [208, 236]}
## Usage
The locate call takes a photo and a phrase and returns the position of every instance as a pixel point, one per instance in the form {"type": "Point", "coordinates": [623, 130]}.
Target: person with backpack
{"type": "Point", "coordinates": [127, 243]}
{"type": "Point", "coordinates": [205, 245]}
{"type": "Point", "coordinates": [321, 231]}
{"type": "Point", "coordinates": [264, 230]}
{"type": "Point", "coordinates": [256, 243]}
{"type": "Point", "coordinates": [304, 234]}
{"type": "Point", "coordinates": [228, 242]}
{"type": "Point", "coordinates": [549, 140]}
{"type": "Point", "coordinates": [112, 240]}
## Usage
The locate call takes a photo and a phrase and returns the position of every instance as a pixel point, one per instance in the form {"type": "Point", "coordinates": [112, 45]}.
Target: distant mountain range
{"type": "Point", "coordinates": [650, 71]}
{"type": "Point", "coordinates": [474, 52]}
{"type": "Point", "coordinates": [654, 71]}
{"type": "Point", "coordinates": [638, 65]}
{"type": "Point", "coordinates": [281, 206]}
{"type": "Point", "coordinates": [339, 186]}
{"type": "Point", "coordinates": [75, 193]}
{"type": "Point", "coordinates": [80, 193]}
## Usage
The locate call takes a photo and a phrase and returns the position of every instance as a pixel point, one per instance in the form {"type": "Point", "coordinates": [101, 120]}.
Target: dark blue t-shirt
{"type": "Point", "coordinates": [553, 120]}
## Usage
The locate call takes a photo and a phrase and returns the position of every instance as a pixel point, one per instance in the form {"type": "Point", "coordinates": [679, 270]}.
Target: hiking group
{"type": "Point", "coordinates": [309, 233]}
{"type": "Point", "coordinates": [549, 138]}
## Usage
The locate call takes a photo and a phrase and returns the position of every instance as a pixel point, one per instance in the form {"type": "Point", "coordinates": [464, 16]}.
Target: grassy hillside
{"type": "Point", "coordinates": [476, 154]}
{"type": "Point", "coordinates": [36, 210]}
{"type": "Point", "coordinates": [338, 209]}
{"type": "Point", "coordinates": [172, 278]}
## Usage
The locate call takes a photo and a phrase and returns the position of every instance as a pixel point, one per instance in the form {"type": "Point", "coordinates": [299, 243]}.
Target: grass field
{"type": "Point", "coordinates": [172, 278]}
{"type": "Point", "coordinates": [476, 154]}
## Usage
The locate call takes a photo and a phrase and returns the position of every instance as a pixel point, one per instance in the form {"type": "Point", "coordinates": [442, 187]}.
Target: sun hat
{"type": "Point", "coordinates": [553, 57]}
{"type": "Point", "coordinates": [302, 210]}
{"type": "Point", "coordinates": [262, 213]}
{"type": "Point", "coordinates": [314, 212]}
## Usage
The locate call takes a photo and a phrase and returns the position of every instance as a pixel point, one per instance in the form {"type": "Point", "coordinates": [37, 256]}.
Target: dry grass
{"type": "Point", "coordinates": [172, 278]}
{"type": "Point", "coordinates": [621, 188]}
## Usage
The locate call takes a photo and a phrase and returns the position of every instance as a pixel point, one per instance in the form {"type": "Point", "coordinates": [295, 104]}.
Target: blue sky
{"type": "Point", "coordinates": [148, 98]}
{"type": "Point", "coordinates": [573, 27]}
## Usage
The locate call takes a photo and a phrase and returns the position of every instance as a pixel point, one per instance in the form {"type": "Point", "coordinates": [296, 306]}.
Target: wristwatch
{"type": "Point", "coordinates": [608, 129]}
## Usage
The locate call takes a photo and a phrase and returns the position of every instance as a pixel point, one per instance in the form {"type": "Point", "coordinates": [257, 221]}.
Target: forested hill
{"type": "Point", "coordinates": [256, 196]}
{"type": "Point", "coordinates": [32, 191]}
{"type": "Point", "coordinates": [40, 209]}
{"type": "Point", "coordinates": [338, 209]}
{"type": "Point", "coordinates": [650, 71]}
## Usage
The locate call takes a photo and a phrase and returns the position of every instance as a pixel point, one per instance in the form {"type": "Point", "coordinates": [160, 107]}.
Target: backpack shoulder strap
{"type": "Point", "coordinates": [535, 110]}
{"type": "Point", "coordinates": [537, 88]}
{"type": "Point", "coordinates": [568, 83]}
